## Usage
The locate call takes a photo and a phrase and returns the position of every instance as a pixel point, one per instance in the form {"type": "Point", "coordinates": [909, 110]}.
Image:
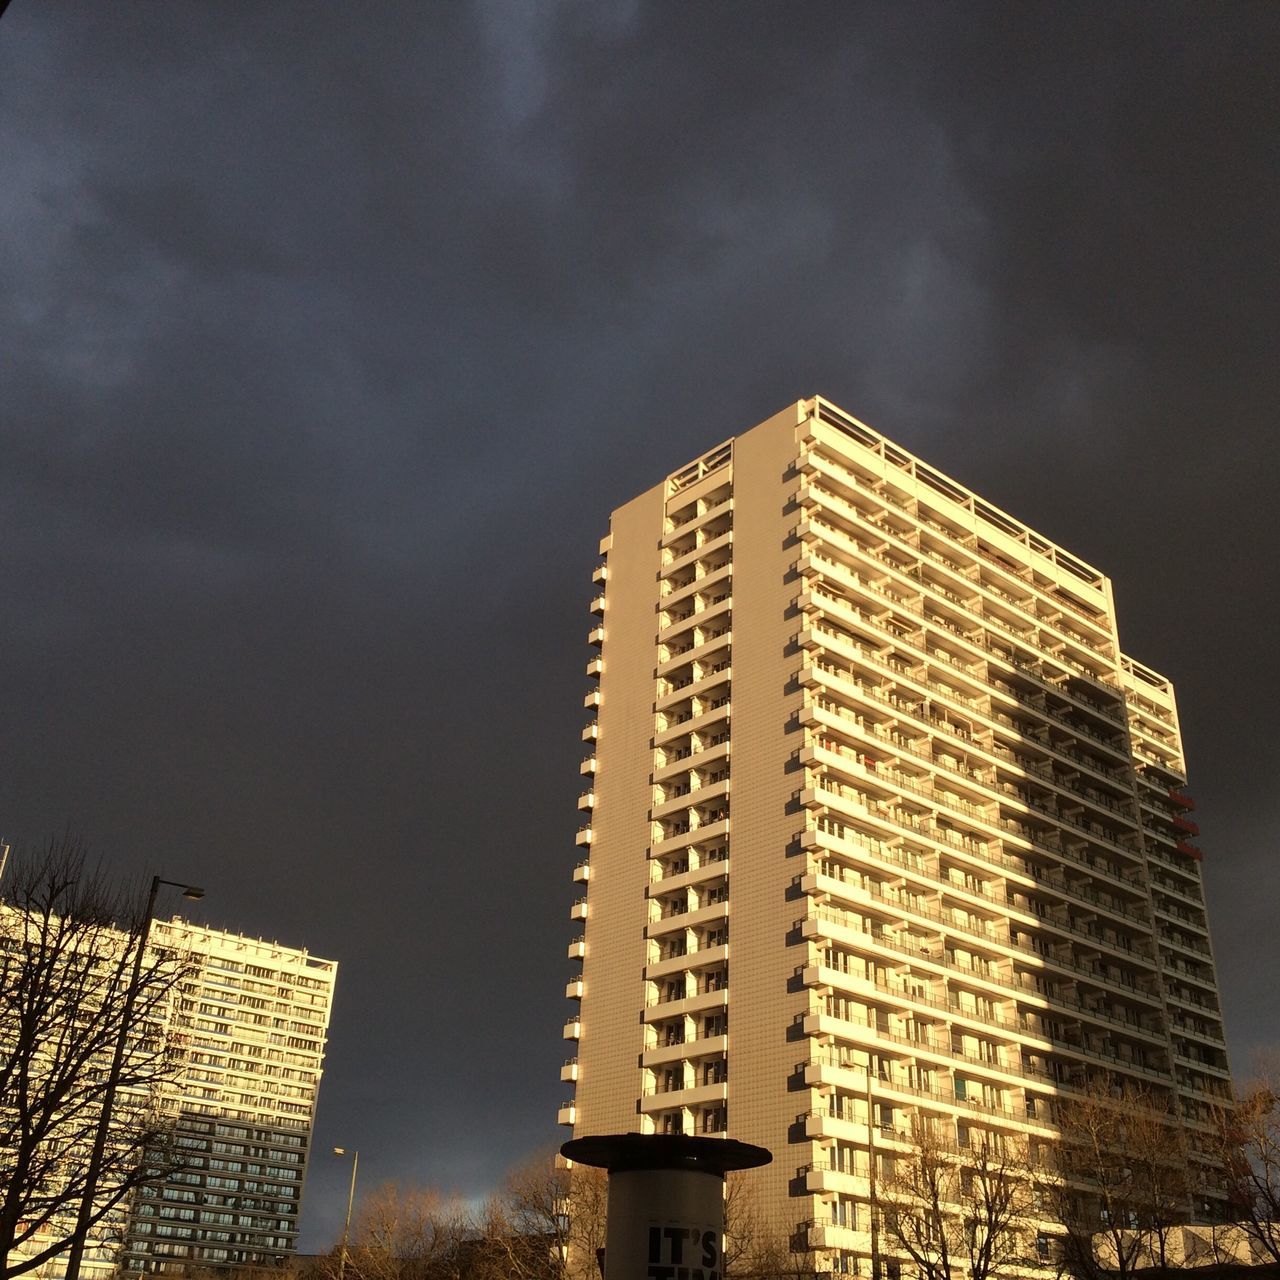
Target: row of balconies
{"type": "Point", "coordinates": [1146, 717]}
{"type": "Point", "coordinates": [1174, 867]}
{"type": "Point", "coordinates": [826, 713]}
{"type": "Point", "coordinates": [1007, 905]}
{"type": "Point", "coordinates": [669, 840]}
{"type": "Point", "coordinates": [930, 951]}
{"type": "Point", "coordinates": [707, 515]}
{"type": "Point", "coordinates": [986, 850]}
{"type": "Point", "coordinates": [714, 955]}
{"type": "Point", "coordinates": [1199, 971]}
{"type": "Point", "coordinates": [1095, 661]}
{"type": "Point", "coordinates": [926, 865]}
{"type": "Point", "coordinates": [691, 866]}
{"type": "Point", "coordinates": [820, 603]}
{"type": "Point", "coordinates": [685, 1032]}
{"type": "Point", "coordinates": [1162, 760]}
{"type": "Point", "coordinates": [827, 676]}
{"type": "Point", "coordinates": [698, 749]}
{"type": "Point", "coordinates": [686, 900]}
{"type": "Point", "coordinates": [1029, 1034]}
{"type": "Point", "coordinates": [669, 1004]}
{"type": "Point", "coordinates": [694, 712]}
{"type": "Point", "coordinates": [708, 914]}
{"type": "Point", "coordinates": [695, 790]}
{"type": "Point", "coordinates": [1187, 919]}
{"type": "Point", "coordinates": [710, 1040]}
{"type": "Point", "coordinates": [697, 598]}
{"type": "Point", "coordinates": [701, 543]}
{"type": "Point", "coordinates": [815, 463]}
{"type": "Point", "coordinates": [684, 816]}
{"type": "Point", "coordinates": [1201, 1028]}
{"type": "Point", "coordinates": [1184, 996]}
{"type": "Point", "coordinates": [697, 646]}
{"type": "Point", "coordinates": [703, 565]}
{"type": "Point", "coordinates": [1030, 1026]}
{"type": "Point", "coordinates": [824, 635]}
{"type": "Point", "coordinates": [995, 936]}
{"type": "Point", "coordinates": [1044, 700]}
{"type": "Point", "coordinates": [701, 614]}
{"type": "Point", "coordinates": [689, 942]}
{"type": "Point", "coordinates": [694, 678]}
{"type": "Point", "coordinates": [919, 590]}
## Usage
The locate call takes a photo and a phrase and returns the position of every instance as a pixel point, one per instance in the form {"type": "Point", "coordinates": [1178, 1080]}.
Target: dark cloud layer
{"type": "Point", "coordinates": [332, 334]}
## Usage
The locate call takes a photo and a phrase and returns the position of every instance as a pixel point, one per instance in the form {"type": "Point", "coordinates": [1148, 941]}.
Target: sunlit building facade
{"type": "Point", "coordinates": [250, 1022]}
{"type": "Point", "coordinates": [878, 822]}
{"type": "Point", "coordinates": [245, 1026]}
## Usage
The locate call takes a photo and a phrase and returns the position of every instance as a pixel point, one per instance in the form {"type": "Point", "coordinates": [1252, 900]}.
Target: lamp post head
{"type": "Point", "coordinates": [193, 893]}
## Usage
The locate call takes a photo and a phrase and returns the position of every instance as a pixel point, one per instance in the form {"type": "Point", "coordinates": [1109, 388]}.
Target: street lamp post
{"type": "Point", "coordinates": [84, 1217]}
{"type": "Point", "coordinates": [351, 1199]}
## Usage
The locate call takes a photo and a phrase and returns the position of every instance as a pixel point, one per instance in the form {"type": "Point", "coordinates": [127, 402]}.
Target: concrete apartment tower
{"type": "Point", "coordinates": [245, 1027]}
{"type": "Point", "coordinates": [250, 1022]}
{"type": "Point", "coordinates": [879, 821]}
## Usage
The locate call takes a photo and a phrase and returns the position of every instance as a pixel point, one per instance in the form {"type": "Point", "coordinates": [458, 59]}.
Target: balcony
{"type": "Point", "coordinates": [1185, 824]}
{"type": "Point", "coordinates": [590, 732]}
{"type": "Point", "coordinates": [597, 605]}
{"type": "Point", "coordinates": [700, 1002]}
{"type": "Point", "coordinates": [568, 1114]}
{"type": "Point", "coordinates": [1190, 850]}
{"type": "Point", "coordinates": [1181, 799]}
{"type": "Point", "coordinates": [592, 700]}
{"type": "Point", "coordinates": [578, 949]}
{"type": "Point", "coordinates": [820, 1126]}
{"type": "Point", "coordinates": [583, 838]}
{"type": "Point", "coordinates": [671, 840]}
{"type": "Point", "coordinates": [687, 919]}
{"type": "Point", "coordinates": [569, 1072]}
{"type": "Point", "coordinates": [579, 910]}
{"type": "Point", "coordinates": [582, 872]}
{"type": "Point", "coordinates": [595, 666]}
{"type": "Point", "coordinates": [587, 800]}
{"type": "Point", "coordinates": [595, 636]}
{"type": "Point", "coordinates": [573, 1029]}
{"type": "Point", "coordinates": [663, 1054]}
{"type": "Point", "coordinates": [588, 765]}
{"type": "Point", "coordinates": [823, 1178]}
{"type": "Point", "coordinates": [693, 1096]}
{"type": "Point", "coordinates": [574, 988]}
{"type": "Point", "coordinates": [826, 1234]}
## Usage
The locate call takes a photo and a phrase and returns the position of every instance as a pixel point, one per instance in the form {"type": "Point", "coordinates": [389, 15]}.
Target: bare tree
{"type": "Point", "coordinates": [410, 1233]}
{"type": "Point", "coordinates": [959, 1210]}
{"type": "Point", "coordinates": [742, 1244]}
{"type": "Point", "coordinates": [546, 1223]}
{"type": "Point", "coordinates": [1124, 1182]}
{"type": "Point", "coordinates": [562, 1210]}
{"type": "Point", "coordinates": [1248, 1147]}
{"type": "Point", "coordinates": [68, 998]}
{"type": "Point", "coordinates": [775, 1256]}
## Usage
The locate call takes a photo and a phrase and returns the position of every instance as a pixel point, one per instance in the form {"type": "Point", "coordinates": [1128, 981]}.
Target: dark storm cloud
{"type": "Point", "coordinates": [332, 335]}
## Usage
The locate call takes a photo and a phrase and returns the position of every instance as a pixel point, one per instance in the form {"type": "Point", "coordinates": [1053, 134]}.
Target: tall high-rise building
{"type": "Point", "coordinates": [879, 822]}
{"type": "Point", "coordinates": [243, 1027]}
{"type": "Point", "coordinates": [250, 1020]}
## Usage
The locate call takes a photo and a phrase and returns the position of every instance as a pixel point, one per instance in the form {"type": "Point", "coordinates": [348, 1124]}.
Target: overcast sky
{"type": "Point", "coordinates": [331, 334]}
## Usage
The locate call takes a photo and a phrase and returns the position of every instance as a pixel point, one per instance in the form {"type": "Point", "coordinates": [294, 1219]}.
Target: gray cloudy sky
{"type": "Point", "coordinates": [332, 333]}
